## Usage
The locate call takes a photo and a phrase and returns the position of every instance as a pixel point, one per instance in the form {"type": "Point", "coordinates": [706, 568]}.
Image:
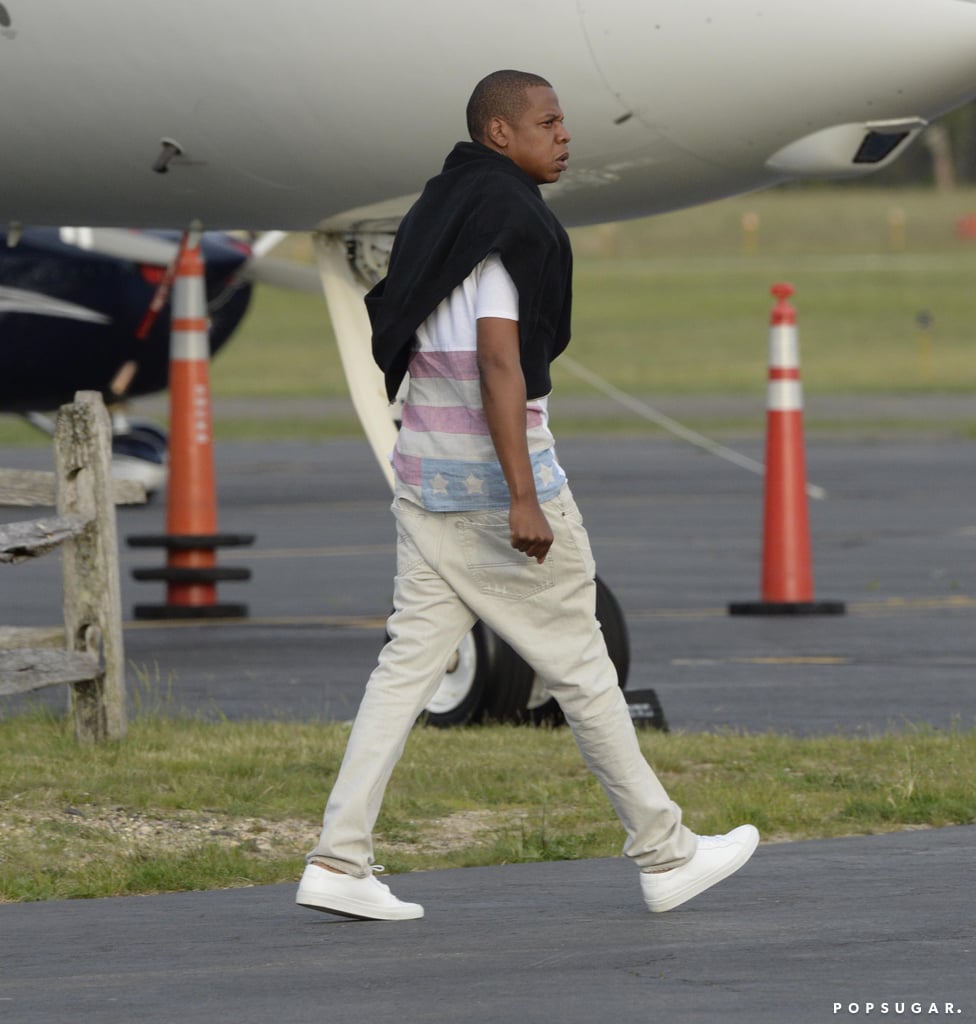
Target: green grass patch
{"type": "Point", "coordinates": [16, 432]}
{"type": "Point", "coordinates": [284, 347]}
{"type": "Point", "coordinates": [680, 303]}
{"type": "Point", "coordinates": [188, 804]}
{"type": "Point", "coordinates": [287, 429]}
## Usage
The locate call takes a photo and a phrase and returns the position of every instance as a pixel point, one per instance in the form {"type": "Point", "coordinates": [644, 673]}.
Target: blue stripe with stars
{"type": "Point", "coordinates": [451, 485]}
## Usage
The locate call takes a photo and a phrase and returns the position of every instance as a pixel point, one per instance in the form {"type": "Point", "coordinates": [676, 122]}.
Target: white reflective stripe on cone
{"type": "Point", "coordinates": [783, 347]}
{"type": "Point", "coordinates": [189, 344]}
{"type": "Point", "coordinates": [784, 396]}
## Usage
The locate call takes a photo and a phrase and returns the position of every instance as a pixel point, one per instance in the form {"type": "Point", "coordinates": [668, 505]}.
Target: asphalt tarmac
{"type": "Point", "coordinates": [880, 925]}
{"type": "Point", "coordinates": [677, 536]}
{"type": "Point", "coordinates": [884, 920]}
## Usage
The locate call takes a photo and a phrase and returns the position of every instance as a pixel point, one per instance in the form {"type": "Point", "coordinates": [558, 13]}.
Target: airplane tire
{"type": "Point", "coordinates": [139, 445]}
{"type": "Point", "coordinates": [614, 625]}
{"type": "Point", "coordinates": [460, 699]}
{"type": "Point", "coordinates": [488, 681]}
{"type": "Point", "coordinates": [140, 454]}
{"type": "Point", "coordinates": [152, 433]}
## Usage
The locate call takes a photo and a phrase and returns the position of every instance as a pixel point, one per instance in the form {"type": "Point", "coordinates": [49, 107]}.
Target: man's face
{"type": "Point", "coordinates": [538, 142]}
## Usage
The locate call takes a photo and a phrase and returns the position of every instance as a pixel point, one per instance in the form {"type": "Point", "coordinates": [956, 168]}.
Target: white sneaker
{"type": "Point", "coordinates": [716, 858]}
{"type": "Point", "coordinates": [365, 898]}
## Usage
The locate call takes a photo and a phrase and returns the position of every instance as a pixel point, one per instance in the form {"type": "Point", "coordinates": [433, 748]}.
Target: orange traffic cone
{"type": "Point", "coordinates": [787, 574]}
{"type": "Point", "coordinates": [191, 572]}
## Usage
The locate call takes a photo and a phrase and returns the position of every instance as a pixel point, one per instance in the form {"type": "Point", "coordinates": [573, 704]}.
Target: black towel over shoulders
{"type": "Point", "coordinates": [481, 202]}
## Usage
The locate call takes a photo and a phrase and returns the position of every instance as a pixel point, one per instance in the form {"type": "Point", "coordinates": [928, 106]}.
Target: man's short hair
{"type": "Point", "coordinates": [500, 94]}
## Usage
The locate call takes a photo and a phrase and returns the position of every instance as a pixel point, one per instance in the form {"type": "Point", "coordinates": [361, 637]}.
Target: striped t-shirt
{"type": "Point", "coordinates": [444, 458]}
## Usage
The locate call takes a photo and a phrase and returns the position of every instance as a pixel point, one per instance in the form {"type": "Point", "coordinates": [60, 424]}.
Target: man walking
{"type": "Point", "coordinates": [476, 306]}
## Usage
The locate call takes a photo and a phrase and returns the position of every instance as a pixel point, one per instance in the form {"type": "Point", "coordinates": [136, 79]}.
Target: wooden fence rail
{"type": "Point", "coordinates": [87, 653]}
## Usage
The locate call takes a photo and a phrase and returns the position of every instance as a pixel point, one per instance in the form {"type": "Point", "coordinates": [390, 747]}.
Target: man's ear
{"type": "Point", "coordinates": [497, 132]}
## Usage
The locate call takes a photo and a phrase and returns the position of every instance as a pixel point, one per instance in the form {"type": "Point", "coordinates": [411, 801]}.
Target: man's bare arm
{"type": "Point", "coordinates": [503, 398]}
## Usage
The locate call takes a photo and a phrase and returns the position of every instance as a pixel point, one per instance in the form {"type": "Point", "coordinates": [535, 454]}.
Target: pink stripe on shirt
{"type": "Point", "coordinates": [451, 419]}
{"type": "Point", "coordinates": [455, 419]}
{"type": "Point", "coordinates": [408, 467]}
{"type": "Point", "coordinates": [452, 365]}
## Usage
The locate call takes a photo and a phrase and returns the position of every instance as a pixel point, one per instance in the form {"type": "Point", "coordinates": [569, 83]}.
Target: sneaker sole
{"type": "Point", "coordinates": [675, 899]}
{"type": "Point", "coordinates": [357, 910]}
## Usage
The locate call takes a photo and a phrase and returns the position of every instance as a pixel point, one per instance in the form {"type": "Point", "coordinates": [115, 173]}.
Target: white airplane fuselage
{"type": "Point", "coordinates": [311, 113]}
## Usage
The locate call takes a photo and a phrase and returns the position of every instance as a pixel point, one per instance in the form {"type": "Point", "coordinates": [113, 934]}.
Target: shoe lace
{"type": "Point", "coordinates": [709, 842]}
{"type": "Point", "coordinates": [378, 869]}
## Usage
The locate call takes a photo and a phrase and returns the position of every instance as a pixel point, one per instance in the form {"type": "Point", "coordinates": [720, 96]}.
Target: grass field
{"type": "Point", "coordinates": [680, 303]}
{"type": "Point", "coordinates": [188, 804]}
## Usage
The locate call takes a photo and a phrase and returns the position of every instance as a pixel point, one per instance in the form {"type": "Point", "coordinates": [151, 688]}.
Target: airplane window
{"type": "Point", "coordinates": [876, 147]}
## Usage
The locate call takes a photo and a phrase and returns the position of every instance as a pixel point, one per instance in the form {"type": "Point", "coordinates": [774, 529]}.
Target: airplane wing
{"type": "Point", "coordinates": [20, 300]}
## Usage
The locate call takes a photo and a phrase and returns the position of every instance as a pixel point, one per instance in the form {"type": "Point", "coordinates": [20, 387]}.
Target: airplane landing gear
{"type": "Point", "coordinates": [139, 452]}
{"type": "Point", "coordinates": [487, 681]}
{"type": "Point", "coordinates": [139, 448]}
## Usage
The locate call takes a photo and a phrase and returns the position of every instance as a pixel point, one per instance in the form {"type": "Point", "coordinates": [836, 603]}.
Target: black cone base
{"type": "Point", "coordinates": [186, 611]}
{"type": "Point", "coordinates": [788, 608]}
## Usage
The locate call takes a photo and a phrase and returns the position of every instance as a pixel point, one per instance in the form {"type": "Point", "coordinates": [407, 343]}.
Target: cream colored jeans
{"type": "Point", "coordinates": [454, 567]}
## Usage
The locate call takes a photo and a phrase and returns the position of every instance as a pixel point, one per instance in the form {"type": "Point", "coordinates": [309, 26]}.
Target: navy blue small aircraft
{"type": "Point", "coordinates": [78, 312]}
{"type": "Point", "coordinates": [72, 317]}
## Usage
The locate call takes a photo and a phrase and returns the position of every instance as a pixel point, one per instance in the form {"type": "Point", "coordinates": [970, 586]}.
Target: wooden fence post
{"type": "Point", "coordinates": [92, 598]}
